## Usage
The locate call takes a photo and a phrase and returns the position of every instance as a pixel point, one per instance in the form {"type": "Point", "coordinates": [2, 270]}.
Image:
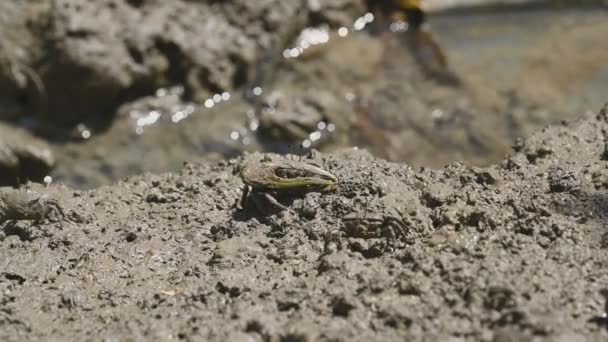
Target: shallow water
{"type": "Point", "coordinates": [556, 57]}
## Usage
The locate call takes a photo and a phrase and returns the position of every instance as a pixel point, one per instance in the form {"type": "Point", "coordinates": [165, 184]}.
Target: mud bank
{"type": "Point", "coordinates": [513, 252]}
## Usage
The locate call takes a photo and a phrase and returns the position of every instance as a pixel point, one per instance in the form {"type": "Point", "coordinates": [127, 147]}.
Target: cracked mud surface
{"type": "Point", "coordinates": [513, 252]}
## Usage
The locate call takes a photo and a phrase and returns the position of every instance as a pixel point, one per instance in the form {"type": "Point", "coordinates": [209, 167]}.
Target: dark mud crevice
{"type": "Point", "coordinates": [30, 169]}
{"type": "Point", "coordinates": [177, 60]}
{"type": "Point", "coordinates": [14, 277]}
{"type": "Point", "coordinates": [136, 55]}
{"type": "Point", "coordinates": [241, 77]}
{"type": "Point", "coordinates": [136, 3]}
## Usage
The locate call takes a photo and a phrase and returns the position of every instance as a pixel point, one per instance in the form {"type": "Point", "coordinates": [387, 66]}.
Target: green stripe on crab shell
{"type": "Point", "coordinates": [304, 183]}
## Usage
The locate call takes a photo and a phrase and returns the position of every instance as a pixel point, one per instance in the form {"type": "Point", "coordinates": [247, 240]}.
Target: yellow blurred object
{"type": "Point", "coordinates": [408, 10]}
{"type": "Point", "coordinates": [397, 9]}
{"type": "Point", "coordinates": [407, 4]}
{"type": "Point", "coordinates": [420, 41]}
{"type": "Point", "coordinates": [398, 16]}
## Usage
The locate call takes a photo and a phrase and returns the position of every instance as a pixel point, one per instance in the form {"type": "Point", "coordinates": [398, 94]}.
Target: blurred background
{"type": "Point", "coordinates": [92, 92]}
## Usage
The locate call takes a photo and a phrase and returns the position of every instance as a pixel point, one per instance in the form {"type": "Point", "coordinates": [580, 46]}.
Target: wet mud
{"type": "Point", "coordinates": [512, 252]}
{"type": "Point", "coordinates": [457, 216]}
{"type": "Point", "coordinates": [23, 157]}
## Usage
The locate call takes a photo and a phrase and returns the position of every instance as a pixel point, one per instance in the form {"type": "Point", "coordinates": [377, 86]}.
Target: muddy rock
{"type": "Point", "coordinates": [121, 49]}
{"type": "Point", "coordinates": [382, 99]}
{"type": "Point", "coordinates": [22, 156]}
{"type": "Point", "coordinates": [19, 48]}
{"type": "Point", "coordinates": [521, 258]}
{"type": "Point", "coordinates": [99, 54]}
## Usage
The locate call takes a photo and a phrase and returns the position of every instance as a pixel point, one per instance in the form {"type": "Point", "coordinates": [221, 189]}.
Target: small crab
{"type": "Point", "coordinates": [284, 177]}
{"type": "Point", "coordinates": [20, 205]}
{"type": "Point", "coordinates": [371, 226]}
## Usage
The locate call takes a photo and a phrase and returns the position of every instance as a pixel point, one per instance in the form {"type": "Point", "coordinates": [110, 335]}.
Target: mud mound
{"type": "Point", "coordinates": [515, 252]}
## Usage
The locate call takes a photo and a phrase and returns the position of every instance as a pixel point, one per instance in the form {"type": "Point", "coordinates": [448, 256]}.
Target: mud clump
{"type": "Point", "coordinates": [511, 252]}
{"type": "Point", "coordinates": [22, 156]}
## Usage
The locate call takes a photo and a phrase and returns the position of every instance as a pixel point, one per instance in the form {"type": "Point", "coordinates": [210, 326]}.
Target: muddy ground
{"type": "Point", "coordinates": [505, 243]}
{"type": "Point", "coordinates": [513, 252]}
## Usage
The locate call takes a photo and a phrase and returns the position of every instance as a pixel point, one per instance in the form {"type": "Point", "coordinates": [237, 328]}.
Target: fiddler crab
{"type": "Point", "coordinates": [268, 178]}
{"type": "Point", "coordinates": [373, 226]}
{"type": "Point", "coordinates": [18, 205]}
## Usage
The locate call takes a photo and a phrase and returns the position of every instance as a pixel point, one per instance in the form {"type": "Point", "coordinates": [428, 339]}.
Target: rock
{"type": "Point", "coordinates": [22, 156]}
{"type": "Point", "coordinates": [79, 60]}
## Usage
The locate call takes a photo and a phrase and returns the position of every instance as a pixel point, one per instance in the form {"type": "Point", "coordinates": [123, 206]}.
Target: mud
{"type": "Point", "coordinates": [23, 157]}
{"type": "Point", "coordinates": [110, 81]}
{"type": "Point", "coordinates": [381, 100]}
{"type": "Point", "coordinates": [512, 252]}
{"type": "Point", "coordinates": [75, 61]}
{"type": "Point", "coordinates": [487, 248]}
